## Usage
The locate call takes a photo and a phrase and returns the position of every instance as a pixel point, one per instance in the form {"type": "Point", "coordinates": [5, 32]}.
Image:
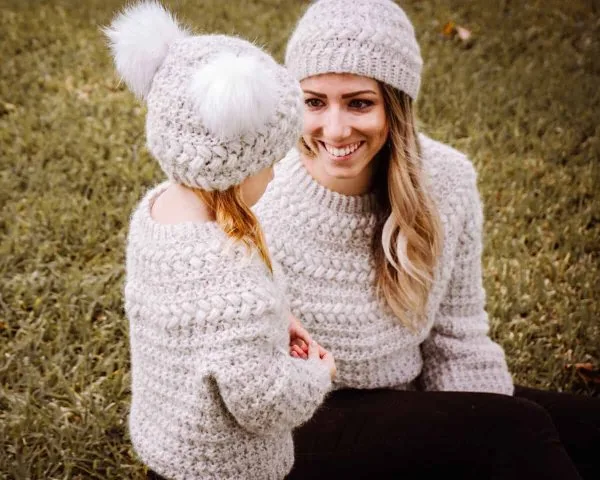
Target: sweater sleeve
{"type": "Point", "coordinates": [459, 355]}
{"type": "Point", "coordinates": [262, 386]}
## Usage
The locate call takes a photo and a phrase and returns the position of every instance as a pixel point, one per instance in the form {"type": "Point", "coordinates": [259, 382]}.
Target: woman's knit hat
{"type": "Point", "coordinates": [219, 108]}
{"type": "Point", "coordinates": [372, 38]}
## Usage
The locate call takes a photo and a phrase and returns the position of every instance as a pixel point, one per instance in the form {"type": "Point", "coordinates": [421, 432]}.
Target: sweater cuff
{"type": "Point", "coordinates": [321, 374]}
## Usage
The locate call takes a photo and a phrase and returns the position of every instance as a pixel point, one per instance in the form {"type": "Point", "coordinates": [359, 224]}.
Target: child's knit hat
{"type": "Point", "coordinates": [373, 38]}
{"type": "Point", "coordinates": [219, 108]}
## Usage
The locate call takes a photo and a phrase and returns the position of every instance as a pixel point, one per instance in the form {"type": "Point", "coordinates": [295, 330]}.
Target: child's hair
{"type": "Point", "coordinates": [236, 219]}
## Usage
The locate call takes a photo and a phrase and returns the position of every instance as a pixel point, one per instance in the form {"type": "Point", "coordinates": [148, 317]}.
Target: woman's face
{"type": "Point", "coordinates": [252, 188]}
{"type": "Point", "coordinates": [345, 125]}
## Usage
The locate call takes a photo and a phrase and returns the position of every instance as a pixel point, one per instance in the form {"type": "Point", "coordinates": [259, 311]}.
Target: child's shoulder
{"type": "Point", "coordinates": [183, 246]}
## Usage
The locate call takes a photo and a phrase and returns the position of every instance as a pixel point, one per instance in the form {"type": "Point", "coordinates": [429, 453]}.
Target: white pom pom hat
{"type": "Point", "coordinates": [220, 109]}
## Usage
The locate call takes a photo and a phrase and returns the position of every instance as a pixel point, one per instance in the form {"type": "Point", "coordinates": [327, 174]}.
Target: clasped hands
{"type": "Point", "coordinates": [301, 345]}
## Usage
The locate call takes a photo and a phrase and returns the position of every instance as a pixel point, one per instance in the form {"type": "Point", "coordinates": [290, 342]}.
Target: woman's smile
{"type": "Point", "coordinates": [343, 152]}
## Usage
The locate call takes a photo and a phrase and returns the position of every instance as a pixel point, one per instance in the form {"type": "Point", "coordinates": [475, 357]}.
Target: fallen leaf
{"type": "Point", "coordinates": [449, 29]}
{"type": "Point", "coordinates": [586, 372]}
{"type": "Point", "coordinates": [453, 31]}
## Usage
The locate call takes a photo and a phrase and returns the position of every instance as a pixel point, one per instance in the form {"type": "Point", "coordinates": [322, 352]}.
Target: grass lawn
{"type": "Point", "coordinates": [522, 99]}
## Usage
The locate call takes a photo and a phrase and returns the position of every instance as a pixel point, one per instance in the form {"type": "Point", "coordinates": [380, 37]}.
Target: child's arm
{"type": "Point", "coordinates": [262, 386]}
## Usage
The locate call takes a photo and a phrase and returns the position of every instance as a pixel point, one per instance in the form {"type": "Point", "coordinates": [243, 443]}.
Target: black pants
{"type": "Point", "coordinates": [381, 434]}
{"type": "Point", "coordinates": [390, 434]}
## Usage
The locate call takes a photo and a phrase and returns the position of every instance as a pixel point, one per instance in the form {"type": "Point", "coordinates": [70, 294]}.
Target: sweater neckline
{"type": "Point", "coordinates": [309, 188]}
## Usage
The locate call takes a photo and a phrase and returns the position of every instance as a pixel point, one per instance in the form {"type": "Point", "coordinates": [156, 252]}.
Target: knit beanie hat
{"type": "Point", "coordinates": [220, 109]}
{"type": "Point", "coordinates": [372, 38]}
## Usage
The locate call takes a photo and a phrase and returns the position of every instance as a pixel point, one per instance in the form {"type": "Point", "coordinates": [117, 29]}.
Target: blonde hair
{"type": "Point", "coordinates": [408, 238]}
{"type": "Point", "coordinates": [236, 219]}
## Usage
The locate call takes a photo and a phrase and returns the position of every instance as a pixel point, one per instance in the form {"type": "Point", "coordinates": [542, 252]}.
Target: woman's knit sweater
{"type": "Point", "coordinates": [215, 392]}
{"type": "Point", "coordinates": [323, 240]}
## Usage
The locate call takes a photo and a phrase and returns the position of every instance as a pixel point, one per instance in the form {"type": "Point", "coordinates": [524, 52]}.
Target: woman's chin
{"type": "Point", "coordinates": [341, 171]}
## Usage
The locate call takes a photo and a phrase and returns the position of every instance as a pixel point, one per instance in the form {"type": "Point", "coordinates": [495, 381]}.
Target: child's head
{"type": "Point", "coordinates": [221, 111]}
{"type": "Point", "coordinates": [219, 108]}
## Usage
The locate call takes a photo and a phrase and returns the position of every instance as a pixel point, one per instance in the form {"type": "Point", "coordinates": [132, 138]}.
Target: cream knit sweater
{"type": "Point", "coordinates": [215, 392]}
{"type": "Point", "coordinates": [323, 241]}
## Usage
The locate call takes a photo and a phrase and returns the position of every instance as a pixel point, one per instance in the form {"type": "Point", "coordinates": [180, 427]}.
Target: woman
{"type": "Point", "coordinates": [379, 231]}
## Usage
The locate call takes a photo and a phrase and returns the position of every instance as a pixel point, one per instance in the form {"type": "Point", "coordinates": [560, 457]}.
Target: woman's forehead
{"type": "Point", "coordinates": [338, 84]}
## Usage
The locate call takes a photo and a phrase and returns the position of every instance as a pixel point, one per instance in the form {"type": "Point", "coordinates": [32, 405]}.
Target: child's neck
{"type": "Point", "coordinates": [179, 204]}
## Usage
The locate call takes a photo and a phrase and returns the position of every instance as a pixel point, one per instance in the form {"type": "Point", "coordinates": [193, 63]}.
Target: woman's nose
{"type": "Point", "coordinates": [336, 126]}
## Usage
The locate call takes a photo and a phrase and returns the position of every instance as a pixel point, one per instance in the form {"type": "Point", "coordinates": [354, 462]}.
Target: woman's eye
{"type": "Point", "coordinates": [313, 102]}
{"type": "Point", "coordinates": [360, 104]}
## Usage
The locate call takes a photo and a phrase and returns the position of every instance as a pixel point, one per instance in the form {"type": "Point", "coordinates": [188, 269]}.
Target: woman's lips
{"type": "Point", "coordinates": [342, 153]}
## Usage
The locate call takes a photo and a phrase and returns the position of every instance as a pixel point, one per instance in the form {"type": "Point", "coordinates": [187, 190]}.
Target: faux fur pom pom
{"type": "Point", "coordinates": [234, 95]}
{"type": "Point", "coordinates": [139, 39]}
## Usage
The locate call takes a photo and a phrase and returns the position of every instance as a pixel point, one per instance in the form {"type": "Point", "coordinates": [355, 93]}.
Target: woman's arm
{"type": "Point", "coordinates": [459, 355]}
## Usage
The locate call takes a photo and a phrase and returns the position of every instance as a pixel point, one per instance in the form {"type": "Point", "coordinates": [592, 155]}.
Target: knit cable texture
{"type": "Point", "coordinates": [215, 393]}
{"type": "Point", "coordinates": [323, 241]}
{"type": "Point", "coordinates": [373, 38]}
{"type": "Point", "coordinates": [187, 151]}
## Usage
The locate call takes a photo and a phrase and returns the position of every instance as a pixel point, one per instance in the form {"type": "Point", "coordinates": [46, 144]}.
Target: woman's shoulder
{"type": "Point", "coordinates": [449, 171]}
{"type": "Point", "coordinates": [444, 161]}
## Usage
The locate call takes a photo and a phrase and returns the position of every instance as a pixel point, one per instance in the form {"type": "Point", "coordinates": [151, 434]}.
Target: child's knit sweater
{"type": "Point", "coordinates": [215, 392]}
{"type": "Point", "coordinates": [323, 241]}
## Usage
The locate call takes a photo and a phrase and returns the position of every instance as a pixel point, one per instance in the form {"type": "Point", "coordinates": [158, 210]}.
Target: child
{"type": "Point", "coordinates": [215, 393]}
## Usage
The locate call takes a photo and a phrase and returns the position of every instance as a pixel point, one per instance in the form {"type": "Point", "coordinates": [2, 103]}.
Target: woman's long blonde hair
{"type": "Point", "coordinates": [408, 238]}
{"type": "Point", "coordinates": [236, 219]}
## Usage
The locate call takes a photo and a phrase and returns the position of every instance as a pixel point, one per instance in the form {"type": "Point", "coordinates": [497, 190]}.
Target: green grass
{"type": "Point", "coordinates": [522, 101]}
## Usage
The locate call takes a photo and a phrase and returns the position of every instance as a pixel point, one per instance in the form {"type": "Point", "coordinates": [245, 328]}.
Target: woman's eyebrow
{"type": "Point", "coordinates": [360, 92]}
{"type": "Point", "coordinates": [346, 95]}
{"type": "Point", "coordinates": [316, 94]}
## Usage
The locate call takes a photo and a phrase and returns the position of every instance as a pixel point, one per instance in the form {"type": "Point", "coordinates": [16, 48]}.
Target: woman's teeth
{"type": "Point", "coordinates": [341, 152]}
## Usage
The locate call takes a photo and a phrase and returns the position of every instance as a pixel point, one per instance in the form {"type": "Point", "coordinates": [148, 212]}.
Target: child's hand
{"type": "Point", "coordinates": [299, 339]}
{"type": "Point", "coordinates": [299, 349]}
